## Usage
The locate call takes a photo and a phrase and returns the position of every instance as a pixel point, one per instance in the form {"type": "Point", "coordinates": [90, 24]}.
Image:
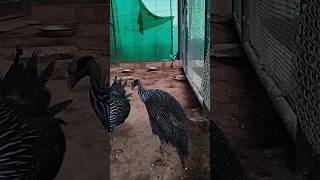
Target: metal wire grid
{"type": "Point", "coordinates": [285, 36]}
{"type": "Point", "coordinates": [273, 37]}
{"type": "Point", "coordinates": [194, 47]}
{"type": "Point", "coordinates": [308, 74]}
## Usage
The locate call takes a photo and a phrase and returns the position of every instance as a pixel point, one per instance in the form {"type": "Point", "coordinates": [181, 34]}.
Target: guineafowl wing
{"type": "Point", "coordinates": [152, 119]}
{"type": "Point", "coordinates": [12, 80]}
{"type": "Point", "coordinates": [100, 103]}
{"type": "Point", "coordinates": [30, 73]}
{"type": "Point", "coordinates": [46, 74]}
{"type": "Point", "coordinates": [57, 108]}
{"type": "Point", "coordinates": [119, 109]}
{"type": "Point", "coordinates": [17, 144]}
{"type": "Point", "coordinates": [163, 122]}
{"type": "Point", "coordinates": [1, 86]}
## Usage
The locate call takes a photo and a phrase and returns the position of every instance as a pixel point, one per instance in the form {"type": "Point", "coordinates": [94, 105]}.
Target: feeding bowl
{"type": "Point", "coordinates": [57, 30]}
{"type": "Point", "coordinates": [152, 68]}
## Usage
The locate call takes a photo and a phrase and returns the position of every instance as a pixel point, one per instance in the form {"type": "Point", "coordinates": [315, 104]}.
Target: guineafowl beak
{"type": "Point", "coordinates": [132, 85]}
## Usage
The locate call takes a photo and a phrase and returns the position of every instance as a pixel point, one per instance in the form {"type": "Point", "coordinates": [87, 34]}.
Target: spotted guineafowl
{"type": "Point", "coordinates": [110, 104]}
{"type": "Point", "coordinates": [31, 140]}
{"type": "Point", "coordinates": [225, 164]}
{"type": "Point", "coordinates": [167, 119]}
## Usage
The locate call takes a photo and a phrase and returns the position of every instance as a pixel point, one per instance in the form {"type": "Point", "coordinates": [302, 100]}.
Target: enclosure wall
{"type": "Point", "coordinates": [281, 38]}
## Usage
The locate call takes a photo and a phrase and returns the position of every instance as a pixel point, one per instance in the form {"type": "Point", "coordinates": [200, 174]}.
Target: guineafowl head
{"type": "Point", "coordinates": [78, 69]}
{"type": "Point", "coordinates": [135, 83]}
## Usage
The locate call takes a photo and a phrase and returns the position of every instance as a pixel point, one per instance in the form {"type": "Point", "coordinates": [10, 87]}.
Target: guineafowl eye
{"type": "Point", "coordinates": [134, 83]}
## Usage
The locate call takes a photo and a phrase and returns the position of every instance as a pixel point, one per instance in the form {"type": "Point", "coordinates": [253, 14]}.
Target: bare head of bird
{"type": "Point", "coordinates": [135, 83]}
{"type": "Point", "coordinates": [78, 69]}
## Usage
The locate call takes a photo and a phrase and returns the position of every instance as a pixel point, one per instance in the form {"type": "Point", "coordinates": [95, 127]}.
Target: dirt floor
{"type": "Point", "coordinates": [87, 156]}
{"type": "Point", "coordinates": [138, 148]}
{"type": "Point", "coordinates": [245, 114]}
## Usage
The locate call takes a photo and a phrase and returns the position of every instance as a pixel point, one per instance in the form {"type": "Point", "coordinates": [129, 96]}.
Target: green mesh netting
{"type": "Point", "coordinates": [143, 30]}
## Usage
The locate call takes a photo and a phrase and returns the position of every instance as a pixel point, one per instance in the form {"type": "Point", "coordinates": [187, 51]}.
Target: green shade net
{"type": "Point", "coordinates": [142, 30]}
{"type": "Point", "coordinates": [147, 19]}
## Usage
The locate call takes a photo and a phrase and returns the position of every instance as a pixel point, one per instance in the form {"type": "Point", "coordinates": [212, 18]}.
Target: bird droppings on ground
{"type": "Point", "coordinates": [141, 153]}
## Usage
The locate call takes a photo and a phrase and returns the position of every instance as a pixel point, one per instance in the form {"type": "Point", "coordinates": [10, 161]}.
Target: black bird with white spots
{"type": "Point", "coordinates": [167, 119]}
{"type": "Point", "coordinates": [110, 104]}
{"type": "Point", "coordinates": [32, 144]}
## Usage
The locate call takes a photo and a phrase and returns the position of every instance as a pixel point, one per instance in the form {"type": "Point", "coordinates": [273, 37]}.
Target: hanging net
{"type": "Point", "coordinates": [148, 20]}
{"type": "Point", "coordinates": [143, 30]}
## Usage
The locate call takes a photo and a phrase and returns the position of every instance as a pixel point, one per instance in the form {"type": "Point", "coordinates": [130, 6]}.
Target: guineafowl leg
{"type": "Point", "coordinates": [161, 150]}
{"type": "Point", "coordinates": [161, 161]}
{"type": "Point", "coordinates": [115, 152]}
{"type": "Point", "coordinates": [111, 143]}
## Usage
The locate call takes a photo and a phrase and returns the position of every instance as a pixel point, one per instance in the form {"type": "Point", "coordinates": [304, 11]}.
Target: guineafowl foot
{"type": "Point", "coordinates": [115, 153]}
{"type": "Point", "coordinates": [160, 162]}
{"type": "Point", "coordinates": [184, 164]}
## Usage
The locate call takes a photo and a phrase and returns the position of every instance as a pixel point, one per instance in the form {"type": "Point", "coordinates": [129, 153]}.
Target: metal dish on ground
{"type": "Point", "coordinates": [152, 68]}
{"type": "Point", "coordinates": [180, 78]}
{"type": "Point", "coordinates": [126, 71]}
{"type": "Point", "coordinates": [57, 30]}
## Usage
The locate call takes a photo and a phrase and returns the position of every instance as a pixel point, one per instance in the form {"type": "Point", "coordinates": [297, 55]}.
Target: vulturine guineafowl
{"type": "Point", "coordinates": [110, 104]}
{"type": "Point", "coordinates": [32, 144]}
{"type": "Point", "coordinates": [167, 119]}
{"type": "Point", "coordinates": [225, 164]}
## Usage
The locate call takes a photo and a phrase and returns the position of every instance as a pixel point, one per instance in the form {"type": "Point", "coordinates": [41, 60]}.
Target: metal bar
{"type": "Point", "coordinates": [207, 48]}
{"type": "Point", "coordinates": [281, 105]}
{"type": "Point", "coordinates": [193, 87]}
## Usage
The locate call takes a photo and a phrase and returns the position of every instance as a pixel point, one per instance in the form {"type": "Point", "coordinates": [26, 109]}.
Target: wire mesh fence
{"type": "Point", "coordinates": [194, 44]}
{"type": "Point", "coordinates": [282, 40]}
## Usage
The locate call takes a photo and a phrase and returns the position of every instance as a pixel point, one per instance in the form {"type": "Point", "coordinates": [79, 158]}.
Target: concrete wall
{"type": "Point", "coordinates": [70, 13]}
{"type": "Point", "coordinates": [222, 7]}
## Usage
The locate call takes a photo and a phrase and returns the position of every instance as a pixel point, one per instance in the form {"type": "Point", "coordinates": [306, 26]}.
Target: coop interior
{"type": "Point", "coordinates": [249, 67]}
{"type": "Point", "coordinates": [261, 81]}
{"type": "Point", "coordinates": [148, 41]}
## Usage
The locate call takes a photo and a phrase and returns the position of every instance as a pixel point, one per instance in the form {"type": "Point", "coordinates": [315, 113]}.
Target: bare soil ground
{"type": "Point", "coordinates": [138, 149]}
{"type": "Point", "coordinates": [245, 114]}
{"type": "Point", "coordinates": [87, 156]}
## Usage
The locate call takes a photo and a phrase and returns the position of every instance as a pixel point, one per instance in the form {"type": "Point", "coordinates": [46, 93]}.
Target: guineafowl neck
{"type": "Point", "coordinates": [94, 71]}
{"type": "Point", "coordinates": [140, 86]}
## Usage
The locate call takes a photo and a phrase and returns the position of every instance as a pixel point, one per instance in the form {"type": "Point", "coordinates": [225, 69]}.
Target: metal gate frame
{"type": "Point", "coordinates": [200, 85]}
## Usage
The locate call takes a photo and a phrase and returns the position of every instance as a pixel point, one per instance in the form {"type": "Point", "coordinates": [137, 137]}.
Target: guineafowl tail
{"type": "Point", "coordinates": [226, 164]}
{"type": "Point", "coordinates": [182, 149]}
{"type": "Point", "coordinates": [118, 87]}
